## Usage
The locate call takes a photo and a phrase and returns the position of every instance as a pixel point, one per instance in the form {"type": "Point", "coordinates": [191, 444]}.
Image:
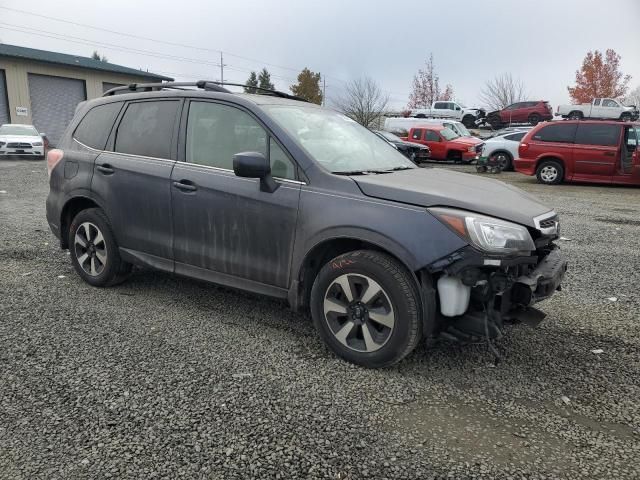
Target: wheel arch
{"type": "Point", "coordinates": [71, 208]}
{"type": "Point", "coordinates": [555, 158]}
{"type": "Point", "coordinates": [323, 251]}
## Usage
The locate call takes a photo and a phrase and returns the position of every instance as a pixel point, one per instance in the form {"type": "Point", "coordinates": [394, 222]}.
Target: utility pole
{"type": "Point", "coordinates": [221, 69]}
{"type": "Point", "coordinates": [324, 92]}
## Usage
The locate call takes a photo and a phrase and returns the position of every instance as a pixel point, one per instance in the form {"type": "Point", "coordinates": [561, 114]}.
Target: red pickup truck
{"type": "Point", "coordinates": [445, 144]}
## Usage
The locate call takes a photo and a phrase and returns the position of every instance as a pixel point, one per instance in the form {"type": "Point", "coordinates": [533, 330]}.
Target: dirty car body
{"type": "Point", "coordinates": [380, 251]}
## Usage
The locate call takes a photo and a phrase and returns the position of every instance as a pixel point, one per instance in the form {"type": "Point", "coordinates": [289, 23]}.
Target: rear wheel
{"type": "Point", "coordinates": [550, 172]}
{"type": "Point", "coordinates": [93, 249]}
{"type": "Point", "coordinates": [503, 160]}
{"type": "Point", "coordinates": [366, 305]}
{"type": "Point", "coordinates": [534, 119]}
{"type": "Point", "coordinates": [575, 115]}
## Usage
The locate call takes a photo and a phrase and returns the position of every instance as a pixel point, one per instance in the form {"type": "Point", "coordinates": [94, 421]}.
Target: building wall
{"type": "Point", "coordinates": [16, 74]}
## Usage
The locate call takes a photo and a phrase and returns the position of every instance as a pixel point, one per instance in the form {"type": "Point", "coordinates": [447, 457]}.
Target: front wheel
{"type": "Point", "coordinates": [366, 305]}
{"type": "Point", "coordinates": [550, 172]}
{"type": "Point", "coordinates": [534, 119]}
{"type": "Point", "coordinates": [625, 117]}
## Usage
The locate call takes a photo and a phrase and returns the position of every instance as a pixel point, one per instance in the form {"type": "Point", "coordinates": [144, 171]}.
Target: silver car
{"type": "Point", "coordinates": [23, 140]}
{"type": "Point", "coordinates": [502, 148]}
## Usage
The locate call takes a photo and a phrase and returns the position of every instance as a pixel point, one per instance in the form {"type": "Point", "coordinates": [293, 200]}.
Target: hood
{"type": "Point", "coordinates": [431, 187]}
{"type": "Point", "coordinates": [20, 138]}
{"type": "Point", "coordinates": [468, 141]}
{"type": "Point", "coordinates": [412, 145]}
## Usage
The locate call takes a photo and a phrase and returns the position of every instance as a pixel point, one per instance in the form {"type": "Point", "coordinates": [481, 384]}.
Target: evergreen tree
{"type": "Point", "coordinates": [251, 83]}
{"type": "Point", "coordinates": [264, 80]}
{"type": "Point", "coordinates": [308, 86]}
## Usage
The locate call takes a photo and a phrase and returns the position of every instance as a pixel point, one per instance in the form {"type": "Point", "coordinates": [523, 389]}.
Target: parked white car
{"type": "Point", "coordinates": [405, 124]}
{"type": "Point", "coordinates": [453, 110]}
{"type": "Point", "coordinates": [501, 149]}
{"type": "Point", "coordinates": [603, 108]}
{"type": "Point", "coordinates": [23, 140]}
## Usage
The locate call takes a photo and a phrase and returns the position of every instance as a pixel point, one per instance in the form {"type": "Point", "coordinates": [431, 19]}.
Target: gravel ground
{"type": "Point", "coordinates": [165, 377]}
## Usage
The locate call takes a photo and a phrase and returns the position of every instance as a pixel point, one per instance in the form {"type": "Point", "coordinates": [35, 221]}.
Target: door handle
{"type": "Point", "coordinates": [105, 168]}
{"type": "Point", "coordinates": [185, 187]}
{"type": "Point", "coordinates": [609, 154]}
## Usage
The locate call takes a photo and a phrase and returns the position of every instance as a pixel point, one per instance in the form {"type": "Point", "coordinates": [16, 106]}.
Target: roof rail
{"type": "Point", "coordinates": [207, 85]}
{"type": "Point", "coordinates": [150, 87]}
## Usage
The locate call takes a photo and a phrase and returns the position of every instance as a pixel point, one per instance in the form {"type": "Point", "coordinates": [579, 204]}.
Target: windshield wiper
{"type": "Point", "coordinates": [361, 172]}
{"type": "Point", "coordinates": [396, 169]}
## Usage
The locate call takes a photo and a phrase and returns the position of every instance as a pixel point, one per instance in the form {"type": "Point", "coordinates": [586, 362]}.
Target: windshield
{"type": "Point", "coordinates": [335, 141]}
{"type": "Point", "coordinates": [390, 136]}
{"type": "Point", "coordinates": [462, 130]}
{"type": "Point", "coordinates": [449, 134]}
{"type": "Point", "coordinates": [18, 130]}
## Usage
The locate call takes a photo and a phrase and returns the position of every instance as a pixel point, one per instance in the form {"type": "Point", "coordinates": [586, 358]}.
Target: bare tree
{"type": "Point", "coordinates": [503, 90]}
{"type": "Point", "coordinates": [426, 87]}
{"type": "Point", "coordinates": [363, 101]}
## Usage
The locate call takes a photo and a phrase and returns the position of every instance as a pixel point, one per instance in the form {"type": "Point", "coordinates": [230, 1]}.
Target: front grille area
{"type": "Point", "coordinates": [549, 223]}
{"type": "Point", "coordinates": [18, 145]}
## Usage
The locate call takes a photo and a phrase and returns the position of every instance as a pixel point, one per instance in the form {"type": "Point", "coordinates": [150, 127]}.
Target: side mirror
{"type": "Point", "coordinates": [255, 165]}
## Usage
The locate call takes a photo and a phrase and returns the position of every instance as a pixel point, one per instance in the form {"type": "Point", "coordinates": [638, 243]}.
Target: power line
{"type": "Point", "coordinates": [151, 53]}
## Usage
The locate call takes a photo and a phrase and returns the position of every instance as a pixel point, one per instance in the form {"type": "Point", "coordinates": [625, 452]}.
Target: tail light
{"type": "Point", "coordinates": [522, 149]}
{"type": "Point", "coordinates": [53, 158]}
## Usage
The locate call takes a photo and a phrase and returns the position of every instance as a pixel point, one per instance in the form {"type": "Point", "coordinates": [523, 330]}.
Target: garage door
{"type": "Point", "coordinates": [4, 103]}
{"type": "Point", "coordinates": [108, 86]}
{"type": "Point", "coordinates": [53, 103]}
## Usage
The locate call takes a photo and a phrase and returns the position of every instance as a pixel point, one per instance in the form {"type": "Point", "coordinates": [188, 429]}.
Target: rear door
{"type": "Point", "coordinates": [596, 152]}
{"type": "Point", "coordinates": [132, 178]}
{"type": "Point", "coordinates": [225, 227]}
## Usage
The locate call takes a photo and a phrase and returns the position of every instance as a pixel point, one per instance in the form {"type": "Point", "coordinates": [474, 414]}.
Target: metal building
{"type": "Point", "coordinates": [43, 88]}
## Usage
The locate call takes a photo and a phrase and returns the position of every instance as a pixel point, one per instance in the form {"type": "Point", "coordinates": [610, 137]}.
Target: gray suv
{"type": "Point", "coordinates": [271, 194]}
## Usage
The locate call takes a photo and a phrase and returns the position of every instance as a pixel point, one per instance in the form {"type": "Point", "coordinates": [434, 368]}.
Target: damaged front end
{"type": "Point", "coordinates": [479, 288]}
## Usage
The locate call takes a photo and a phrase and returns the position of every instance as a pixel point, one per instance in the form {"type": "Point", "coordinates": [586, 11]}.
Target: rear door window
{"type": "Point", "coordinates": [146, 129]}
{"type": "Point", "coordinates": [598, 134]}
{"type": "Point", "coordinates": [417, 134]}
{"type": "Point", "coordinates": [564, 133]}
{"type": "Point", "coordinates": [440, 105]}
{"type": "Point", "coordinates": [515, 137]}
{"type": "Point", "coordinates": [95, 127]}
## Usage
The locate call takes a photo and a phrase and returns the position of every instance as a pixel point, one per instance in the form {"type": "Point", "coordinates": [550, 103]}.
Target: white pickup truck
{"type": "Point", "coordinates": [452, 110]}
{"type": "Point", "coordinates": [604, 108]}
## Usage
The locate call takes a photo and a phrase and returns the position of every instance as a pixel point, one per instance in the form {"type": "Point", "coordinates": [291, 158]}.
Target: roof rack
{"type": "Point", "coordinates": [206, 85]}
{"type": "Point", "coordinates": [150, 87]}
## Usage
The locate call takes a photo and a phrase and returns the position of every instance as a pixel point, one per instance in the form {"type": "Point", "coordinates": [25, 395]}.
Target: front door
{"type": "Point", "coordinates": [132, 178]}
{"type": "Point", "coordinates": [596, 152]}
{"type": "Point", "coordinates": [437, 144]}
{"type": "Point", "coordinates": [225, 227]}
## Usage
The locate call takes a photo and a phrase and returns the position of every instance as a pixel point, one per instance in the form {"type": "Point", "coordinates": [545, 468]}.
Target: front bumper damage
{"type": "Point", "coordinates": [498, 291]}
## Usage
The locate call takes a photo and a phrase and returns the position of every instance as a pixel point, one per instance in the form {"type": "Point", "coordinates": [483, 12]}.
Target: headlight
{"type": "Point", "coordinates": [490, 234]}
{"type": "Point", "coordinates": [37, 144]}
{"type": "Point", "coordinates": [471, 149]}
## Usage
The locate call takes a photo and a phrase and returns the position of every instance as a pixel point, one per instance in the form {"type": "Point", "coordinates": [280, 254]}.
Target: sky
{"type": "Point", "coordinates": [540, 42]}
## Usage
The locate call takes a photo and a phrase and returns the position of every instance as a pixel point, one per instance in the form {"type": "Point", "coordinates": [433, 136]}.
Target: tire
{"type": "Point", "coordinates": [545, 172]}
{"type": "Point", "coordinates": [534, 119]}
{"type": "Point", "coordinates": [503, 160]}
{"type": "Point", "coordinates": [495, 122]}
{"type": "Point", "coordinates": [625, 117]}
{"type": "Point", "coordinates": [347, 327]}
{"type": "Point", "coordinates": [421, 115]}
{"type": "Point", "coordinates": [469, 121]}
{"type": "Point", "coordinates": [102, 265]}
{"type": "Point", "coordinates": [575, 115]}
{"type": "Point", "coordinates": [481, 168]}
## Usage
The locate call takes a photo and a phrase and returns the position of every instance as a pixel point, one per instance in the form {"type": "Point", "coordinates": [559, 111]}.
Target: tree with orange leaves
{"type": "Point", "coordinates": [599, 76]}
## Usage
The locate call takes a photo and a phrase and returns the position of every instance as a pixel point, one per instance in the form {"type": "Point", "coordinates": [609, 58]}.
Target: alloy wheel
{"type": "Point", "coordinates": [90, 249]}
{"type": "Point", "coordinates": [549, 173]}
{"type": "Point", "coordinates": [501, 160]}
{"type": "Point", "coordinates": [358, 312]}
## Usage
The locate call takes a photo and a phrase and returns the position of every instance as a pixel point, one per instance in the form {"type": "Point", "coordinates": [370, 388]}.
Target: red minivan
{"type": "Point", "coordinates": [582, 151]}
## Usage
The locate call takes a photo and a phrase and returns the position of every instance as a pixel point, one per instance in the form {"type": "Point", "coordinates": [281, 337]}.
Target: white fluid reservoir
{"type": "Point", "coordinates": [454, 296]}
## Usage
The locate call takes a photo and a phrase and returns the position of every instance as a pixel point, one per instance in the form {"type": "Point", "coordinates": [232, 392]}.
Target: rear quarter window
{"type": "Point", "coordinates": [606, 135]}
{"type": "Point", "coordinates": [563, 133]}
{"type": "Point", "coordinates": [416, 134]}
{"type": "Point", "coordinates": [96, 125]}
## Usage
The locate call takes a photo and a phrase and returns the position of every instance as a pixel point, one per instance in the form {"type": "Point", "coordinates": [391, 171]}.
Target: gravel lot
{"type": "Point", "coordinates": [165, 377]}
